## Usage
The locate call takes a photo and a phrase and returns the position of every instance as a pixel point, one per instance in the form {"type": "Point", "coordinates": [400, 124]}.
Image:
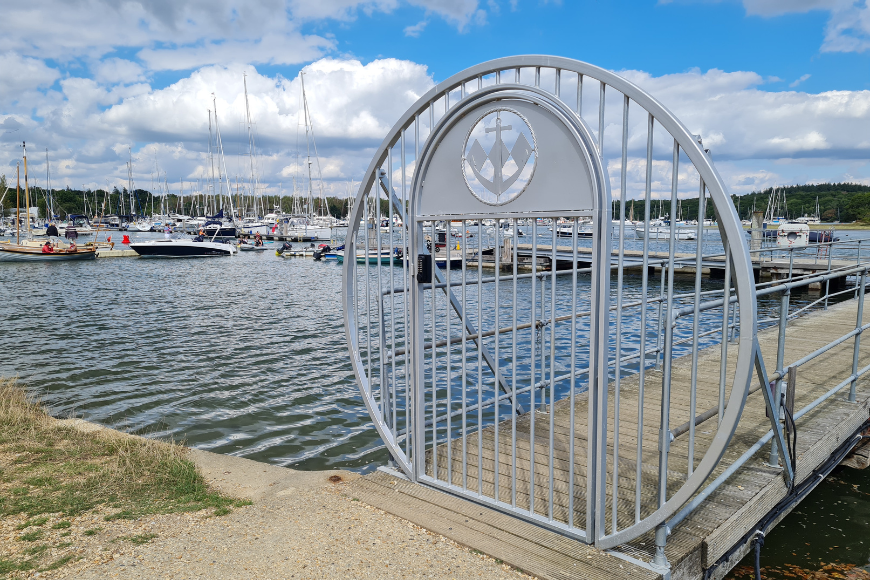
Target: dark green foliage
{"type": "Point", "coordinates": [844, 202]}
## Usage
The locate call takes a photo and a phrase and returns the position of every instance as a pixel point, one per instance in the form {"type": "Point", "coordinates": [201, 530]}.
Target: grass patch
{"type": "Point", "coordinates": [140, 539]}
{"type": "Point", "coordinates": [92, 531]}
{"type": "Point", "coordinates": [50, 468]}
{"type": "Point", "coordinates": [9, 566]}
{"type": "Point", "coordinates": [36, 549]}
{"type": "Point", "coordinates": [32, 522]}
{"type": "Point", "coordinates": [57, 563]}
{"type": "Point", "coordinates": [30, 536]}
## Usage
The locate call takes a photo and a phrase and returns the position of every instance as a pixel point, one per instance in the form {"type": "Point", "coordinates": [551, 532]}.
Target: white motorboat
{"type": "Point", "coordinates": [663, 232]}
{"type": "Point", "coordinates": [182, 248]}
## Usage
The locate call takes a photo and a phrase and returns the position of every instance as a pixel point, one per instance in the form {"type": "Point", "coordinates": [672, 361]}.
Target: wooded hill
{"type": "Point", "coordinates": [843, 202]}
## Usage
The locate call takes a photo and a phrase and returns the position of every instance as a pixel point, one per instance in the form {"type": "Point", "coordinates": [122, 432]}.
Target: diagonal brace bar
{"type": "Point", "coordinates": [454, 302]}
{"type": "Point", "coordinates": [773, 413]}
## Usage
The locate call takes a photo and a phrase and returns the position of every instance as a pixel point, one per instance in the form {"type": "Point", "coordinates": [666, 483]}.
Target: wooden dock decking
{"type": "Point", "coordinates": [707, 534]}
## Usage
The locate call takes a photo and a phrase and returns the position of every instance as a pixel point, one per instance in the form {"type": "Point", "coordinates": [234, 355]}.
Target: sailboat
{"type": "Point", "coordinates": [33, 250]}
{"type": "Point", "coordinates": [309, 225]}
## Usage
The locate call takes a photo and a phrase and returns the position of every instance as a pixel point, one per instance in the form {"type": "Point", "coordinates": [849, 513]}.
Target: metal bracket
{"type": "Point", "coordinates": [773, 415]}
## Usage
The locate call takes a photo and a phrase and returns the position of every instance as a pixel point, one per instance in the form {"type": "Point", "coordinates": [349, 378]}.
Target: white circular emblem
{"type": "Point", "coordinates": [499, 156]}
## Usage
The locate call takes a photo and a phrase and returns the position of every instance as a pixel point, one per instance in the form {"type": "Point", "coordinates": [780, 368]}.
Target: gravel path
{"type": "Point", "coordinates": [301, 525]}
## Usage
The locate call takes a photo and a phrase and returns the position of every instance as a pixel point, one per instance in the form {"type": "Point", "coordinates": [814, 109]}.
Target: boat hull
{"type": "Point", "coordinates": [181, 249]}
{"type": "Point", "coordinates": [15, 255]}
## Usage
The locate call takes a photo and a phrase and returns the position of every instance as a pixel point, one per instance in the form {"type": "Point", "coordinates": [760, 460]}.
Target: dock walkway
{"type": "Point", "coordinates": [710, 532]}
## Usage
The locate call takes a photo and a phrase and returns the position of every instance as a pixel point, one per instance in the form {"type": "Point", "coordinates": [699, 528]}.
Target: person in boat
{"type": "Point", "coordinates": [47, 248]}
{"type": "Point", "coordinates": [51, 230]}
{"type": "Point", "coordinates": [167, 231]}
{"type": "Point", "coordinates": [199, 238]}
{"type": "Point", "coordinates": [72, 247]}
{"type": "Point", "coordinates": [258, 239]}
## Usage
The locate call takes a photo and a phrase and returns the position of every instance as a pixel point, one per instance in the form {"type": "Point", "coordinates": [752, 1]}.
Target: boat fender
{"type": "Point", "coordinates": [126, 239]}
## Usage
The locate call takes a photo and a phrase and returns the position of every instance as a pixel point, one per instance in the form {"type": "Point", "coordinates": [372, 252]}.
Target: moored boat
{"type": "Point", "coordinates": [181, 249]}
{"type": "Point", "coordinates": [31, 251]}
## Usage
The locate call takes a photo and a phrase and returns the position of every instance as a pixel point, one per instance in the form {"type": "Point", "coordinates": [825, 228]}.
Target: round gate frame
{"type": "Point", "coordinates": [729, 224]}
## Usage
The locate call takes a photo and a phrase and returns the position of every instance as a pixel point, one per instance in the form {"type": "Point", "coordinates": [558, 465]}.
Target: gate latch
{"type": "Point", "coordinates": [424, 268]}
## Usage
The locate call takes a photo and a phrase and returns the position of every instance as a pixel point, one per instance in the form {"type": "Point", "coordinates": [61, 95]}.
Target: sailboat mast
{"type": "Point", "coordinates": [254, 183]}
{"type": "Point", "coordinates": [18, 203]}
{"type": "Point", "coordinates": [223, 161]}
{"type": "Point", "coordinates": [309, 126]}
{"type": "Point", "coordinates": [49, 201]}
{"type": "Point", "coordinates": [26, 188]}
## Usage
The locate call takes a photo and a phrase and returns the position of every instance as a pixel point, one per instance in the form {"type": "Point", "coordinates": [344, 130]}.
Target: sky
{"type": "Point", "coordinates": [779, 89]}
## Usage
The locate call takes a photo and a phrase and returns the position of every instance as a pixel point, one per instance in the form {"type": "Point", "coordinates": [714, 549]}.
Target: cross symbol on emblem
{"type": "Point", "coordinates": [499, 156]}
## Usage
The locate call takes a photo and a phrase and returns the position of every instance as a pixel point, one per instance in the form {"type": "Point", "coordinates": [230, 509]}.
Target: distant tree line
{"type": "Point", "coordinates": [98, 202]}
{"type": "Point", "coordinates": [844, 202]}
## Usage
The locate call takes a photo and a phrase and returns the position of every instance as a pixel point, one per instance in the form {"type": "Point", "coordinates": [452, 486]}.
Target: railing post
{"type": "Point", "coordinates": [660, 560]}
{"type": "Point", "coordinates": [828, 281]}
{"type": "Point", "coordinates": [858, 326]}
{"type": "Point", "coordinates": [780, 356]}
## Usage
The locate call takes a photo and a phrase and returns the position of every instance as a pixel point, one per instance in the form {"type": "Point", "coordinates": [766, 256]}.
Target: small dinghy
{"type": "Point", "coordinates": [288, 251]}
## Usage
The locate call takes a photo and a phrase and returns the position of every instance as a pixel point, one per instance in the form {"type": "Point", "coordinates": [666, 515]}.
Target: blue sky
{"type": "Point", "coordinates": [782, 87]}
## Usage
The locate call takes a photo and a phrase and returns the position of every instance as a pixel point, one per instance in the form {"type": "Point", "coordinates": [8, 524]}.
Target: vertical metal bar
{"type": "Point", "coordinates": [643, 309]}
{"type": "Point", "coordinates": [433, 306]}
{"type": "Point", "coordinates": [696, 322]}
{"type": "Point", "coordinates": [580, 94]}
{"type": "Point", "coordinates": [558, 82]}
{"type": "Point", "coordinates": [480, 346]}
{"type": "Point", "coordinates": [368, 302]}
{"type": "Point", "coordinates": [517, 75]}
{"type": "Point", "coordinates": [449, 376]}
{"type": "Point", "coordinates": [534, 329]}
{"type": "Point", "coordinates": [497, 369]}
{"type": "Point", "coordinates": [664, 425]}
{"type": "Point", "coordinates": [828, 281]}
{"type": "Point", "coordinates": [623, 174]}
{"type": "Point", "coordinates": [406, 282]}
{"type": "Point", "coordinates": [464, 366]}
{"type": "Point", "coordinates": [514, 371]}
{"type": "Point", "coordinates": [573, 374]}
{"type": "Point", "coordinates": [384, 390]}
{"type": "Point", "coordinates": [552, 410]}
{"type": "Point", "coordinates": [392, 382]}
{"type": "Point", "coordinates": [537, 76]}
{"type": "Point", "coordinates": [857, 351]}
{"type": "Point", "coordinates": [660, 321]}
{"type": "Point", "coordinates": [601, 120]}
{"type": "Point", "coordinates": [780, 359]}
{"type": "Point", "coordinates": [479, 82]}
{"type": "Point", "coordinates": [726, 309]}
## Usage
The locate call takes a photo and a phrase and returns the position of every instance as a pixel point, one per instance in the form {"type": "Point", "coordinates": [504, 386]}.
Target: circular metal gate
{"type": "Point", "coordinates": [512, 342]}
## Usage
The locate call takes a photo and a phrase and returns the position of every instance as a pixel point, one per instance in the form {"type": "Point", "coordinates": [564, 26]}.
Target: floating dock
{"type": "Point", "coordinates": [718, 533]}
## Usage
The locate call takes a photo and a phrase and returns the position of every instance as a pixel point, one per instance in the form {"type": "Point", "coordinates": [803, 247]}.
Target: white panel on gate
{"type": "Point", "coordinates": [508, 156]}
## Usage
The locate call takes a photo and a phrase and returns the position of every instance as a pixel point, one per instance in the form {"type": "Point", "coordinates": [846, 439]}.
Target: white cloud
{"type": "Point", "coordinates": [21, 74]}
{"type": "Point", "coordinates": [416, 29]}
{"type": "Point", "coordinates": [848, 29]}
{"type": "Point", "coordinates": [799, 81]}
{"type": "Point", "coordinates": [193, 33]}
{"type": "Point", "coordinates": [739, 121]}
{"type": "Point", "coordinates": [118, 70]}
{"type": "Point", "coordinates": [352, 107]}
